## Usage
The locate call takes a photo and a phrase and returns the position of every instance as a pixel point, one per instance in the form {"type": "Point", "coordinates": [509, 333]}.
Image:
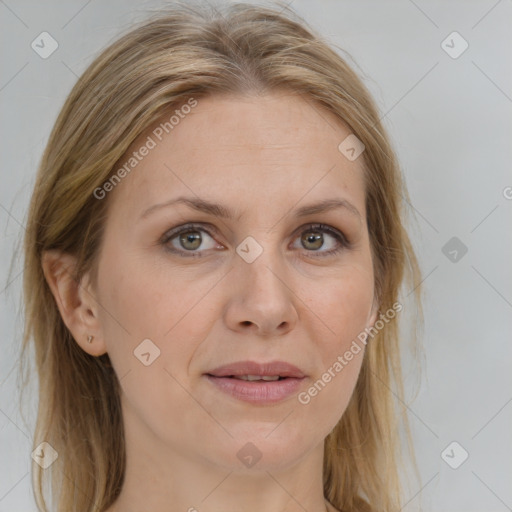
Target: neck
{"type": "Point", "coordinates": [164, 478]}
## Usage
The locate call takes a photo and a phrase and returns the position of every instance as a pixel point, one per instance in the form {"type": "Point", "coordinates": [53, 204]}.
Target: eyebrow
{"type": "Point", "coordinates": [221, 211]}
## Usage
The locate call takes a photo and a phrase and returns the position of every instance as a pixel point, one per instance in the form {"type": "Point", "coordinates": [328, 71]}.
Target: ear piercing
{"type": "Point", "coordinates": [89, 339]}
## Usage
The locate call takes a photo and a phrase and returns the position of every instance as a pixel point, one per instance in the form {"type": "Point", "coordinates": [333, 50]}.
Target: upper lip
{"type": "Point", "coordinates": [266, 369]}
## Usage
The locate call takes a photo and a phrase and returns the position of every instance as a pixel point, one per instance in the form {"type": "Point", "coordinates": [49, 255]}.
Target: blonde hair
{"type": "Point", "coordinates": [192, 51]}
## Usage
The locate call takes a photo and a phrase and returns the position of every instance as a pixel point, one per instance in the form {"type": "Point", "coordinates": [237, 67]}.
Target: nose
{"type": "Point", "coordinates": [261, 298]}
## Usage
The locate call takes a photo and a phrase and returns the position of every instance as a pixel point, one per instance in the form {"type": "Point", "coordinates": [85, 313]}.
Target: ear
{"type": "Point", "coordinates": [75, 300]}
{"type": "Point", "coordinates": [372, 316]}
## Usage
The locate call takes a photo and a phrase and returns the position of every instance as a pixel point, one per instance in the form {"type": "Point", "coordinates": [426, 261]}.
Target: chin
{"type": "Point", "coordinates": [263, 450]}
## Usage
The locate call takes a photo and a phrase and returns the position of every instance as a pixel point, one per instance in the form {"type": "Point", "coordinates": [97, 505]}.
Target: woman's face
{"type": "Point", "coordinates": [249, 280]}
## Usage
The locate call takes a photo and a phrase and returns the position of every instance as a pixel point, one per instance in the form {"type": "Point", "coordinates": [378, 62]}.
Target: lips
{"type": "Point", "coordinates": [252, 368]}
{"type": "Point", "coordinates": [258, 383]}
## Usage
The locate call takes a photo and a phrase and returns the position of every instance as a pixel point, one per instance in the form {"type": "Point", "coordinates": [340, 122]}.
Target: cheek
{"type": "Point", "coordinates": [140, 302]}
{"type": "Point", "coordinates": [342, 306]}
{"type": "Point", "coordinates": [341, 310]}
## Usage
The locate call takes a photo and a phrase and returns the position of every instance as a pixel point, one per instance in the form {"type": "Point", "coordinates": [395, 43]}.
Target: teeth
{"type": "Point", "coordinates": [257, 377]}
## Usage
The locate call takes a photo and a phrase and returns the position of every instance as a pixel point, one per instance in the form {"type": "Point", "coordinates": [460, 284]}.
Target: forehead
{"type": "Point", "coordinates": [253, 150]}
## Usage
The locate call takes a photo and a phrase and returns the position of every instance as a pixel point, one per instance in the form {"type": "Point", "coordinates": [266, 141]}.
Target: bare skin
{"type": "Point", "coordinates": [262, 157]}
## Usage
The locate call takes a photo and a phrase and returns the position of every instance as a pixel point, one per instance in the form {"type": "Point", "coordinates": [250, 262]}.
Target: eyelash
{"type": "Point", "coordinates": [338, 235]}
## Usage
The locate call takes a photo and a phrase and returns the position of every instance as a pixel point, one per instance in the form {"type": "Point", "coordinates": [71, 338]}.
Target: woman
{"type": "Point", "coordinates": [214, 256]}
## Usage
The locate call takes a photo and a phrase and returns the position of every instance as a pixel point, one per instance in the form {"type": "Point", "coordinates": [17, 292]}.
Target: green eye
{"type": "Point", "coordinates": [188, 239]}
{"type": "Point", "coordinates": [313, 239]}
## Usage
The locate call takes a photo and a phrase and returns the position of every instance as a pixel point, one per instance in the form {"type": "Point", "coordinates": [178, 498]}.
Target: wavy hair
{"type": "Point", "coordinates": [184, 51]}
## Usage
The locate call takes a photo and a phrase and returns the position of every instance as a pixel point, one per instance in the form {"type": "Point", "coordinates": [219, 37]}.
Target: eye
{"type": "Point", "coordinates": [313, 238]}
{"type": "Point", "coordinates": [189, 238]}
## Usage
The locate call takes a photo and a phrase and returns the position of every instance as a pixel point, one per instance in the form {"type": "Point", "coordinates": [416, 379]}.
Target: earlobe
{"type": "Point", "coordinates": [76, 303]}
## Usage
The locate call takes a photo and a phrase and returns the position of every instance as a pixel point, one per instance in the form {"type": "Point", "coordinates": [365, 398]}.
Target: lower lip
{"type": "Point", "coordinates": [260, 392]}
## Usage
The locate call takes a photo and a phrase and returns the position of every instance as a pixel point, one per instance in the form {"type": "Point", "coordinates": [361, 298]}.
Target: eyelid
{"type": "Point", "coordinates": [341, 238]}
{"type": "Point", "coordinates": [189, 226]}
{"type": "Point", "coordinates": [325, 228]}
{"type": "Point", "coordinates": [318, 226]}
{"type": "Point", "coordinates": [184, 228]}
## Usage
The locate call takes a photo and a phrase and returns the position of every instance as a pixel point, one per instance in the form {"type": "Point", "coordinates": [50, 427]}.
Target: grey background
{"type": "Point", "coordinates": [450, 120]}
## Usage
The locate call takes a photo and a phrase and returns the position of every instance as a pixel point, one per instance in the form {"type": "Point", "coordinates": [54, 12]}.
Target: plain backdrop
{"type": "Point", "coordinates": [448, 109]}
